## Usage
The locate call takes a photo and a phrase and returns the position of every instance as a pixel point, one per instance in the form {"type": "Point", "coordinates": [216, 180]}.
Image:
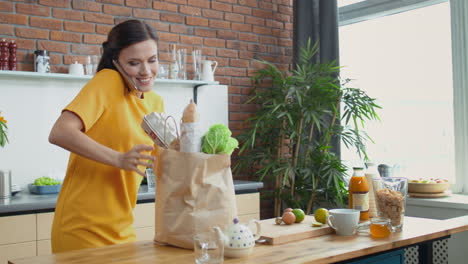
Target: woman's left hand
{"type": "Point", "coordinates": [133, 158]}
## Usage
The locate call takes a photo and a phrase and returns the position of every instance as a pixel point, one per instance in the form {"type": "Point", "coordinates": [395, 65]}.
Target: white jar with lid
{"type": "Point", "coordinates": [371, 174]}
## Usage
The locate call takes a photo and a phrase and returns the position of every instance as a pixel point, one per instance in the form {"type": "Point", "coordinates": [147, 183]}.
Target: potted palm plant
{"type": "Point", "coordinates": [289, 139]}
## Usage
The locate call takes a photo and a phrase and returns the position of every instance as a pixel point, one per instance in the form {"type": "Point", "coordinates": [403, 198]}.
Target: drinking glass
{"type": "Point", "coordinates": [380, 227]}
{"type": "Point", "coordinates": [209, 248]}
{"type": "Point", "coordinates": [163, 71]}
{"type": "Point", "coordinates": [196, 59]}
{"type": "Point", "coordinates": [89, 66]}
{"type": "Point", "coordinates": [182, 60]}
{"type": "Point", "coordinates": [390, 198]}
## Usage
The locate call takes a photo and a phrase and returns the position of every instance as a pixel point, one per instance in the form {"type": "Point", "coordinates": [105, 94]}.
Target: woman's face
{"type": "Point", "coordinates": [140, 62]}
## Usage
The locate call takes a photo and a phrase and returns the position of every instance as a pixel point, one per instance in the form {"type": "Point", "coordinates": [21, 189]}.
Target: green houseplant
{"type": "Point", "coordinates": [289, 139]}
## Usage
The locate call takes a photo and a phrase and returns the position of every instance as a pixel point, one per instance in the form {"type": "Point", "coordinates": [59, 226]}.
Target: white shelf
{"type": "Point", "coordinates": [64, 76]}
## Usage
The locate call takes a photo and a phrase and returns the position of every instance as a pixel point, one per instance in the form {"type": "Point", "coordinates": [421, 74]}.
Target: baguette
{"type": "Point", "coordinates": [190, 114]}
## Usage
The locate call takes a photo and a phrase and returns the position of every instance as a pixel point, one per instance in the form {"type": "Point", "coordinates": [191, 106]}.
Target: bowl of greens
{"type": "Point", "coordinates": [45, 185]}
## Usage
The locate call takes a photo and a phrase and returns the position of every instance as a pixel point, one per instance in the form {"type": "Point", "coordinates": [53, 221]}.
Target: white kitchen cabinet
{"type": "Point", "coordinates": [17, 229]}
{"type": "Point", "coordinates": [17, 250]}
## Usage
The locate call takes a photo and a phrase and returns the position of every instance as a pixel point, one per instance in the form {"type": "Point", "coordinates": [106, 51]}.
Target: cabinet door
{"type": "Point", "coordinates": [392, 257]}
{"type": "Point", "coordinates": [144, 215]}
{"type": "Point", "coordinates": [44, 225]}
{"type": "Point", "coordinates": [144, 233]}
{"type": "Point", "coordinates": [17, 229]}
{"type": "Point", "coordinates": [16, 251]}
{"type": "Point", "coordinates": [248, 206]}
{"type": "Point", "coordinates": [44, 247]}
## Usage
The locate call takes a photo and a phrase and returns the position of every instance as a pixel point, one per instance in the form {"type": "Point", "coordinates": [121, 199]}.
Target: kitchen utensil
{"type": "Point", "coordinates": [208, 248]}
{"type": "Point", "coordinates": [390, 197]}
{"type": "Point", "coordinates": [281, 234]}
{"type": "Point", "coordinates": [239, 240]}
{"type": "Point", "coordinates": [5, 184]}
{"type": "Point", "coordinates": [128, 81]}
{"type": "Point", "coordinates": [208, 71]}
{"type": "Point", "coordinates": [344, 221]}
{"type": "Point", "coordinates": [76, 69]}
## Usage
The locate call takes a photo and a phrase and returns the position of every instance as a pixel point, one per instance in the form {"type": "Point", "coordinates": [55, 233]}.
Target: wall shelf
{"type": "Point", "coordinates": [64, 76]}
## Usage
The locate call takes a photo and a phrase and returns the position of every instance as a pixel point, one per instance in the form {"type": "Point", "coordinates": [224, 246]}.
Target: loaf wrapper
{"type": "Point", "coordinates": [190, 137]}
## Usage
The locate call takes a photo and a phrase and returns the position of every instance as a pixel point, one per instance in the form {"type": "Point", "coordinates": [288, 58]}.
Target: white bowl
{"type": "Point", "coordinates": [416, 187]}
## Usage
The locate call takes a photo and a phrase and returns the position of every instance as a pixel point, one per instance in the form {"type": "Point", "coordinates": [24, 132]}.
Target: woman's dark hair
{"type": "Point", "coordinates": [121, 36]}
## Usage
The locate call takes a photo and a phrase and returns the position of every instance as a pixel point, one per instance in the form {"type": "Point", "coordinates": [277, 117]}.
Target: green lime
{"type": "Point", "coordinates": [300, 215]}
{"type": "Point", "coordinates": [321, 215]}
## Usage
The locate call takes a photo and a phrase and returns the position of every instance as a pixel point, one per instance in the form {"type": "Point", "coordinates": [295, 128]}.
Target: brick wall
{"type": "Point", "coordinates": [232, 32]}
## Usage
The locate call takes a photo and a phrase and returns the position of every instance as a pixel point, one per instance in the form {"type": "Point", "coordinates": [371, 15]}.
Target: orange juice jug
{"type": "Point", "coordinates": [359, 193]}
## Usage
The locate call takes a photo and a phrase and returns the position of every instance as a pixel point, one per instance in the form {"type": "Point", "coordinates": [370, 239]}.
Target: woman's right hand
{"type": "Point", "coordinates": [133, 158]}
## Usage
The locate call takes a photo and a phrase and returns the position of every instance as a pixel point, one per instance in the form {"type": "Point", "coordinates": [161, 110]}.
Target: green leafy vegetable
{"type": "Point", "coordinates": [46, 181]}
{"type": "Point", "coordinates": [218, 140]}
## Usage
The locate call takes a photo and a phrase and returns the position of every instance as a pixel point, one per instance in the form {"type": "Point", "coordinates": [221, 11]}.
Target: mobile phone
{"type": "Point", "coordinates": [128, 81]}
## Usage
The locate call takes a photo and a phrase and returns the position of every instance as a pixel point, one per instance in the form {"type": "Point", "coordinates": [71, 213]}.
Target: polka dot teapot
{"type": "Point", "coordinates": [239, 240]}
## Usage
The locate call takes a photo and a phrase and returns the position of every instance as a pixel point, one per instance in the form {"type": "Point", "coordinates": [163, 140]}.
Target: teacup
{"type": "Point", "coordinates": [344, 221]}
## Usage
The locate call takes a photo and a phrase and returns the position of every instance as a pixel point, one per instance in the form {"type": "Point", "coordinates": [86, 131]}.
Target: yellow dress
{"type": "Point", "coordinates": [95, 205]}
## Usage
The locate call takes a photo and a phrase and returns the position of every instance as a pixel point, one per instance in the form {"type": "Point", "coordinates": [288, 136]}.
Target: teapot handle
{"type": "Point", "coordinates": [216, 65]}
{"type": "Point", "coordinates": [258, 227]}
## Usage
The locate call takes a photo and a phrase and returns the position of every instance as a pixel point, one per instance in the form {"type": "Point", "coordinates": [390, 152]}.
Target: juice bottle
{"type": "Point", "coordinates": [359, 193]}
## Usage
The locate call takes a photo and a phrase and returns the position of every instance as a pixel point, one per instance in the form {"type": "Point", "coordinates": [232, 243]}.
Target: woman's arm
{"type": "Point", "coordinates": [67, 133]}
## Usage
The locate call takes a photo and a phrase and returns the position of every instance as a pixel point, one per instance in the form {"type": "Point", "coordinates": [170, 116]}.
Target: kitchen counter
{"type": "Point", "coordinates": [324, 249]}
{"type": "Point", "coordinates": [27, 203]}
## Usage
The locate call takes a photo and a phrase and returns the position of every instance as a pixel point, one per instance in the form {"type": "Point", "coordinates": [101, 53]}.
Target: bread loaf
{"type": "Point", "coordinates": [190, 114]}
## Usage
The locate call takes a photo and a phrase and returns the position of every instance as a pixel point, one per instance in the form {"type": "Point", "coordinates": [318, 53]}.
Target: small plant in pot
{"type": "Point", "coordinates": [289, 141]}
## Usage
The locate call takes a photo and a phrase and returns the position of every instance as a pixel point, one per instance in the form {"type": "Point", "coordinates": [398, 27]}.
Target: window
{"type": "Point", "coordinates": [404, 60]}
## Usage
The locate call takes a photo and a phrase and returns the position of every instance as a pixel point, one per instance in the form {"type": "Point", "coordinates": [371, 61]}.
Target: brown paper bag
{"type": "Point", "coordinates": [194, 193]}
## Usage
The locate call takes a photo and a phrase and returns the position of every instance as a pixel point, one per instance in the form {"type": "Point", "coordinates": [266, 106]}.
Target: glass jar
{"type": "Point", "coordinates": [390, 198]}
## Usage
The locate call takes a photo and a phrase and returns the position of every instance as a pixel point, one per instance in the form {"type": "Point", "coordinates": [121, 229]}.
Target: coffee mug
{"type": "Point", "coordinates": [344, 221]}
{"type": "Point", "coordinates": [76, 69]}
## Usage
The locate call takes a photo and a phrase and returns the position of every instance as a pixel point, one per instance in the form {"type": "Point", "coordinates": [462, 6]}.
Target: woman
{"type": "Point", "coordinates": [109, 149]}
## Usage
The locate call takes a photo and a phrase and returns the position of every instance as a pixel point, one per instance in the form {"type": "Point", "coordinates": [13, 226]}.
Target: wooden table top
{"type": "Point", "coordinates": [323, 249]}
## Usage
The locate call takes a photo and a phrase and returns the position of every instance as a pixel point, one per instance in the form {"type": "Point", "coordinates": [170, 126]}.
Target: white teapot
{"type": "Point", "coordinates": [239, 240]}
{"type": "Point", "coordinates": [208, 71]}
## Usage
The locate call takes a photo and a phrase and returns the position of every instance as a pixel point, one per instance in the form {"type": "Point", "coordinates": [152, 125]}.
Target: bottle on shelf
{"type": "Point", "coordinates": [12, 60]}
{"type": "Point", "coordinates": [359, 193]}
{"type": "Point", "coordinates": [174, 67]}
{"type": "Point", "coordinates": [371, 174]}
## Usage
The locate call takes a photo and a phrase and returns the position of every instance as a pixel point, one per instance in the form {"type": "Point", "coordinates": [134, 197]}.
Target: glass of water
{"type": "Point", "coordinates": [209, 248]}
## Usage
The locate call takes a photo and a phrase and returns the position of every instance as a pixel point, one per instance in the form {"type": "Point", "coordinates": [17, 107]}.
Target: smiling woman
{"type": "Point", "coordinates": [109, 150]}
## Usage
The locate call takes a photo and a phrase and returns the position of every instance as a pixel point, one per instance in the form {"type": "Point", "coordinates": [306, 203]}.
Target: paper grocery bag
{"type": "Point", "coordinates": [194, 193]}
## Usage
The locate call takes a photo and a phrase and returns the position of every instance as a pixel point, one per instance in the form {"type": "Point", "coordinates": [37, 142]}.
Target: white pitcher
{"type": "Point", "coordinates": [208, 71]}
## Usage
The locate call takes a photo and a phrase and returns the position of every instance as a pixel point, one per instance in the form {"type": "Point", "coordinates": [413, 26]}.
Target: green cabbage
{"type": "Point", "coordinates": [218, 140]}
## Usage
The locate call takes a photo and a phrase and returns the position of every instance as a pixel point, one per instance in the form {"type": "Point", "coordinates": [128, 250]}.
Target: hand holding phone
{"type": "Point", "coordinates": [128, 81]}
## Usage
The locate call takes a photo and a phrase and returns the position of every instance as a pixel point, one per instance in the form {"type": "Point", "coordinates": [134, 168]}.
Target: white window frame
{"type": "Point", "coordinates": [370, 9]}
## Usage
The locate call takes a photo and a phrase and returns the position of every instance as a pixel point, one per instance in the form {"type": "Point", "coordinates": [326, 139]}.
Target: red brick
{"type": "Point", "coordinates": [32, 10]}
{"type": "Point", "coordinates": [190, 10]}
{"type": "Point", "coordinates": [221, 6]}
{"type": "Point", "coordinates": [209, 52]}
{"type": "Point", "coordinates": [53, 46]}
{"type": "Point", "coordinates": [227, 34]}
{"type": "Point", "coordinates": [241, 27]}
{"type": "Point", "coordinates": [65, 36]}
{"type": "Point", "coordinates": [99, 18]}
{"type": "Point", "coordinates": [13, 19]}
{"type": "Point", "coordinates": [115, 2]}
{"type": "Point", "coordinates": [212, 14]}
{"type": "Point", "coordinates": [288, 26]}
{"type": "Point", "coordinates": [235, 44]}
{"type": "Point", "coordinates": [285, 10]}
{"type": "Point", "coordinates": [205, 32]}
{"type": "Point", "coordinates": [27, 44]}
{"type": "Point", "coordinates": [25, 67]}
{"type": "Point", "coordinates": [223, 80]}
{"type": "Point", "coordinates": [45, 23]}
{"type": "Point", "coordinates": [261, 30]}
{"type": "Point", "coordinates": [227, 53]}
{"type": "Point", "coordinates": [222, 62]}
{"type": "Point", "coordinates": [248, 37]}
{"type": "Point", "coordinates": [94, 39]}
{"type": "Point", "coordinates": [23, 56]}
{"type": "Point", "coordinates": [180, 2]}
{"type": "Point", "coordinates": [242, 10]}
{"type": "Point", "coordinates": [281, 33]}
{"type": "Point", "coordinates": [274, 24]}
{"type": "Point", "coordinates": [214, 42]}
{"type": "Point", "coordinates": [268, 5]}
{"type": "Point", "coordinates": [233, 89]}
{"type": "Point", "coordinates": [239, 63]}
{"type": "Point", "coordinates": [267, 40]}
{"type": "Point", "coordinates": [79, 26]}
{"type": "Point", "coordinates": [139, 3]}
{"type": "Point", "coordinates": [67, 14]}
{"type": "Point", "coordinates": [251, 3]}
{"type": "Point", "coordinates": [282, 18]}
{"type": "Point", "coordinates": [219, 24]}
{"type": "Point", "coordinates": [70, 59]}
{"type": "Point", "coordinates": [6, 30]}
{"type": "Point", "coordinates": [164, 6]}
{"type": "Point", "coordinates": [285, 42]}
{"type": "Point", "coordinates": [285, 2]}
{"type": "Point", "coordinates": [6, 7]}
{"type": "Point", "coordinates": [199, 3]}
{"type": "Point", "coordinates": [180, 29]}
{"type": "Point", "coordinates": [159, 26]}
{"type": "Point", "coordinates": [117, 10]}
{"type": "Point", "coordinates": [55, 58]}
{"type": "Point", "coordinates": [55, 3]}
{"type": "Point", "coordinates": [85, 49]}
{"type": "Point", "coordinates": [235, 72]}
{"type": "Point", "coordinates": [196, 21]}
{"type": "Point", "coordinates": [241, 81]}
{"type": "Point", "coordinates": [228, 1]}
{"type": "Point", "coordinates": [32, 33]}
{"type": "Point", "coordinates": [239, 116]}
{"type": "Point", "coordinates": [254, 20]}
{"type": "Point", "coordinates": [87, 5]}
{"type": "Point", "coordinates": [234, 17]}
{"type": "Point", "coordinates": [168, 37]}
{"type": "Point", "coordinates": [172, 18]}
{"type": "Point", "coordinates": [103, 30]}
{"type": "Point", "coordinates": [191, 40]}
